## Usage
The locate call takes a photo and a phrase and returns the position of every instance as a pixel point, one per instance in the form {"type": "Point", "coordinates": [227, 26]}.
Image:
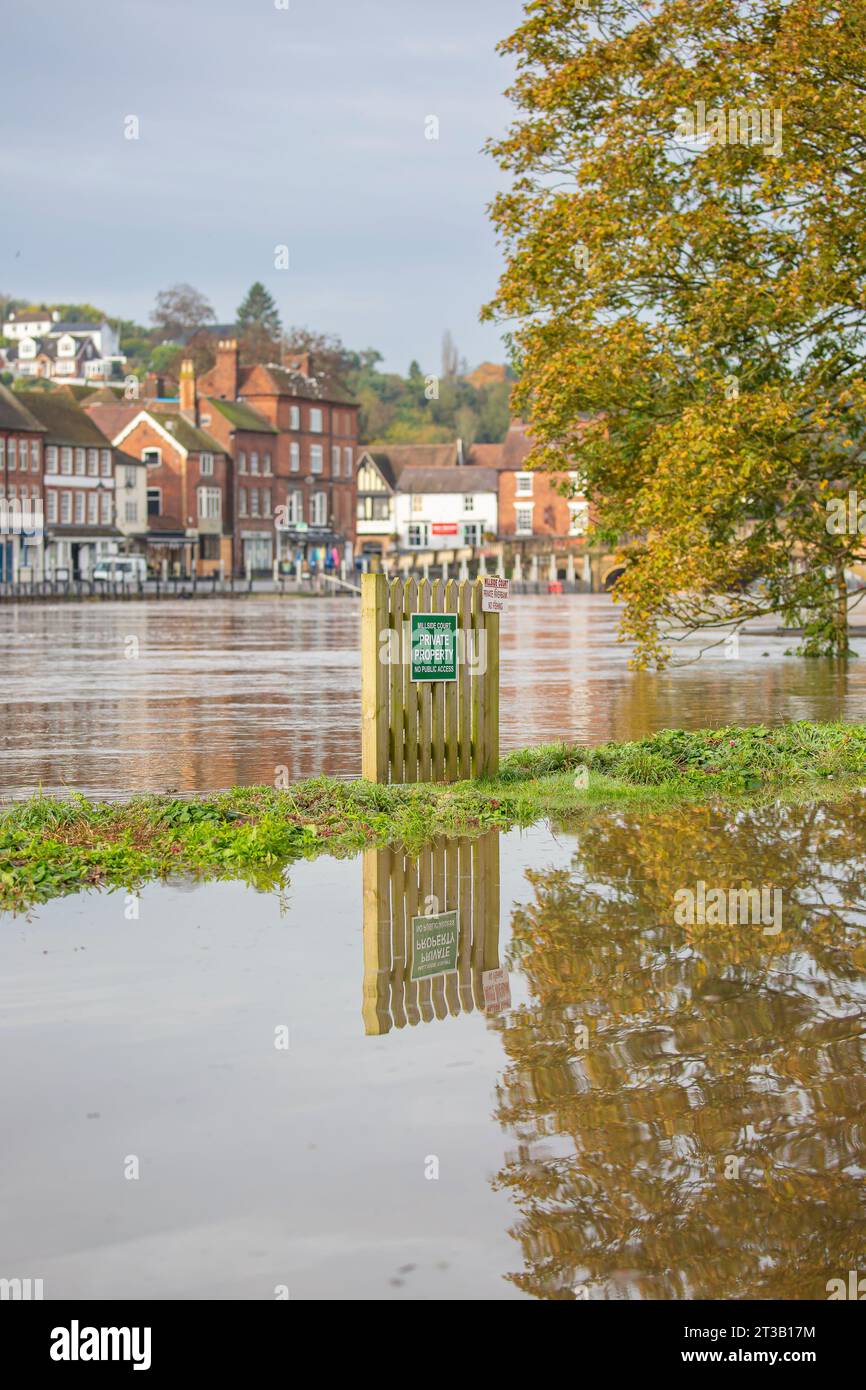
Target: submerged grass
{"type": "Point", "coordinates": [50, 846]}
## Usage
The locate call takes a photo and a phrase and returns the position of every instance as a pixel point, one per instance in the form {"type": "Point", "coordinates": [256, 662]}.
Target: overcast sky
{"type": "Point", "coordinates": [260, 126]}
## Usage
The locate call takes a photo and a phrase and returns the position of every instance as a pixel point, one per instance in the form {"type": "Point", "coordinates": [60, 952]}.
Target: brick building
{"type": "Point", "coordinates": [306, 424]}
{"type": "Point", "coordinates": [535, 516]}
{"type": "Point", "coordinates": [78, 486]}
{"type": "Point", "coordinates": [189, 490]}
{"type": "Point", "coordinates": [21, 492]}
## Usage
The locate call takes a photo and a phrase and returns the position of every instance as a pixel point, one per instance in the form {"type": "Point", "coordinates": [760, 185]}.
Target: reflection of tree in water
{"type": "Point", "coordinates": [695, 1034]}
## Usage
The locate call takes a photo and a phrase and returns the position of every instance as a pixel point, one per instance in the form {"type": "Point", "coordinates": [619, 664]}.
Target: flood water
{"type": "Point", "coordinates": [659, 1110]}
{"type": "Point", "coordinates": [115, 698]}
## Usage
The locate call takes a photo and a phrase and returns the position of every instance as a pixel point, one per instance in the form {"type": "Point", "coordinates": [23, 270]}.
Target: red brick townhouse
{"type": "Point", "coordinates": [21, 449]}
{"type": "Point", "coordinates": [79, 486]}
{"type": "Point", "coordinates": [189, 511]}
{"type": "Point", "coordinates": [306, 424]}
{"type": "Point", "coordinates": [535, 517]}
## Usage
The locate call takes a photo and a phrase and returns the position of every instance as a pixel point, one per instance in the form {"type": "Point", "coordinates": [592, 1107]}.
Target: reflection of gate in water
{"type": "Point", "coordinates": [461, 875]}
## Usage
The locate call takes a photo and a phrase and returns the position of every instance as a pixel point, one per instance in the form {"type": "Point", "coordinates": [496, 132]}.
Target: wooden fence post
{"type": "Point", "coordinates": [374, 679]}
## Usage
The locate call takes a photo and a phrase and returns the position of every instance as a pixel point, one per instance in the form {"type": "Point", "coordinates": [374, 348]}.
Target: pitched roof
{"type": "Point", "coordinates": [64, 420]}
{"type": "Point", "coordinates": [14, 414]}
{"type": "Point", "coordinates": [463, 479]}
{"type": "Point", "coordinates": [285, 382]}
{"type": "Point", "coordinates": [485, 456]}
{"type": "Point", "coordinates": [111, 419]}
{"type": "Point", "coordinates": [188, 436]}
{"type": "Point", "coordinates": [400, 456]}
{"type": "Point", "coordinates": [241, 415]}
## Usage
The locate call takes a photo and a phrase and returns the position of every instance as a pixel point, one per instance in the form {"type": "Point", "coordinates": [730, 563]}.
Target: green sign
{"type": "Point", "coordinates": [434, 647]}
{"type": "Point", "coordinates": [434, 945]}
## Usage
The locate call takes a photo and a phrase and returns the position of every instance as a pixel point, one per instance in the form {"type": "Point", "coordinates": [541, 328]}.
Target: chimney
{"type": "Point", "coordinates": [225, 372]}
{"type": "Point", "coordinates": [153, 387]}
{"type": "Point", "coordinates": [188, 404]}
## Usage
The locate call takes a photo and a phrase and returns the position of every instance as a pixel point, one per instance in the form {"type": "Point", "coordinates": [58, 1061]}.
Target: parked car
{"type": "Point", "coordinates": [121, 569]}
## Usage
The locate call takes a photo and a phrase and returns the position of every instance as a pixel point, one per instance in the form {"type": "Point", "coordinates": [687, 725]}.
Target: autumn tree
{"type": "Point", "coordinates": [686, 264]}
{"type": "Point", "coordinates": [180, 310]}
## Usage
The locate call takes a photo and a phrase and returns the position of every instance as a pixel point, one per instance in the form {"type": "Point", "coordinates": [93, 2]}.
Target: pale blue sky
{"type": "Point", "coordinates": [260, 126]}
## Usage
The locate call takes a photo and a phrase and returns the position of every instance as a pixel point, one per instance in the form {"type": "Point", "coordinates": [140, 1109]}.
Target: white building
{"type": "Point", "coordinates": [423, 500]}
{"type": "Point", "coordinates": [45, 346]}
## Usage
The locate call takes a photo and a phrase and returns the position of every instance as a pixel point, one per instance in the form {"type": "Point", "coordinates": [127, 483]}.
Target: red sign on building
{"type": "Point", "coordinates": [444, 528]}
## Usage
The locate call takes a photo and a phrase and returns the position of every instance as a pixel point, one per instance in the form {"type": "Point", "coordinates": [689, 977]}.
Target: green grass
{"type": "Point", "coordinates": [51, 846]}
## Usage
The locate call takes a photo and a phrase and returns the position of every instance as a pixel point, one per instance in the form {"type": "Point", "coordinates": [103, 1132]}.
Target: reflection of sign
{"type": "Point", "coordinates": [495, 593]}
{"type": "Point", "coordinates": [497, 990]}
{"type": "Point", "coordinates": [434, 945]}
{"type": "Point", "coordinates": [444, 528]}
{"type": "Point", "coordinates": [434, 647]}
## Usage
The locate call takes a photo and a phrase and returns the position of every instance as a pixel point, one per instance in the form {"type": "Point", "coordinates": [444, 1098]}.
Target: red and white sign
{"type": "Point", "coordinates": [444, 528]}
{"type": "Point", "coordinates": [497, 990]}
{"type": "Point", "coordinates": [495, 594]}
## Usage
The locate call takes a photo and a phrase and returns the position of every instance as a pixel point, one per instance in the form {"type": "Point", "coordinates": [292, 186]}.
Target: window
{"type": "Point", "coordinates": [154, 501]}
{"type": "Point", "coordinates": [267, 465]}
{"type": "Point", "coordinates": [374, 508]}
{"type": "Point", "coordinates": [242, 462]}
{"type": "Point", "coordinates": [209, 503]}
{"type": "Point", "coordinates": [65, 460]}
{"type": "Point", "coordinates": [579, 518]}
{"type": "Point", "coordinates": [22, 455]}
{"type": "Point", "coordinates": [12, 491]}
{"type": "Point", "coordinates": [51, 499]}
{"type": "Point", "coordinates": [469, 503]}
{"type": "Point", "coordinates": [347, 462]}
{"type": "Point", "coordinates": [92, 508]}
{"type": "Point", "coordinates": [34, 491]}
{"type": "Point", "coordinates": [105, 507]}
{"type": "Point", "coordinates": [129, 475]}
{"type": "Point", "coordinates": [316, 461]}
{"type": "Point", "coordinates": [294, 457]}
{"type": "Point", "coordinates": [80, 462]}
{"type": "Point", "coordinates": [105, 462]}
{"type": "Point", "coordinates": [266, 501]}
{"type": "Point", "coordinates": [472, 533]}
{"type": "Point", "coordinates": [254, 462]}
{"type": "Point", "coordinates": [417, 534]}
{"type": "Point", "coordinates": [51, 459]}
{"type": "Point", "coordinates": [524, 484]}
{"type": "Point", "coordinates": [12, 463]}
{"type": "Point", "coordinates": [523, 521]}
{"type": "Point", "coordinates": [34, 455]}
{"type": "Point", "coordinates": [152, 457]}
{"type": "Point", "coordinates": [79, 508]}
{"type": "Point", "coordinates": [315, 420]}
{"type": "Point", "coordinates": [93, 463]}
{"type": "Point", "coordinates": [294, 417]}
{"type": "Point", "coordinates": [335, 460]}
{"type": "Point", "coordinates": [417, 503]}
{"type": "Point", "coordinates": [242, 501]}
{"type": "Point", "coordinates": [205, 462]}
{"type": "Point", "coordinates": [319, 509]}
{"type": "Point", "coordinates": [3, 452]}
{"type": "Point", "coordinates": [130, 510]}
{"type": "Point", "coordinates": [294, 508]}
{"type": "Point", "coordinates": [254, 501]}
{"type": "Point", "coordinates": [65, 508]}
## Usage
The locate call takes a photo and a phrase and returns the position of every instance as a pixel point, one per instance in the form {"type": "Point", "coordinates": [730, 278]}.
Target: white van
{"type": "Point", "coordinates": [121, 569]}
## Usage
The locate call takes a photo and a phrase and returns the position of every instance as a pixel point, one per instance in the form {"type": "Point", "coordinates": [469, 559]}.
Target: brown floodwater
{"type": "Point", "coordinates": [652, 1108]}
{"type": "Point", "coordinates": [115, 698]}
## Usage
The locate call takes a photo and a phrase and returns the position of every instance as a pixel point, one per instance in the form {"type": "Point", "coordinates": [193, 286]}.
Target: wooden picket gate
{"type": "Point", "coordinates": [443, 731]}
{"type": "Point", "coordinates": [463, 876]}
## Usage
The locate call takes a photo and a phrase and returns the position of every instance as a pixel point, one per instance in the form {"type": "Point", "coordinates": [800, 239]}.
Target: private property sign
{"type": "Point", "coordinates": [434, 945]}
{"type": "Point", "coordinates": [495, 593]}
{"type": "Point", "coordinates": [433, 647]}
